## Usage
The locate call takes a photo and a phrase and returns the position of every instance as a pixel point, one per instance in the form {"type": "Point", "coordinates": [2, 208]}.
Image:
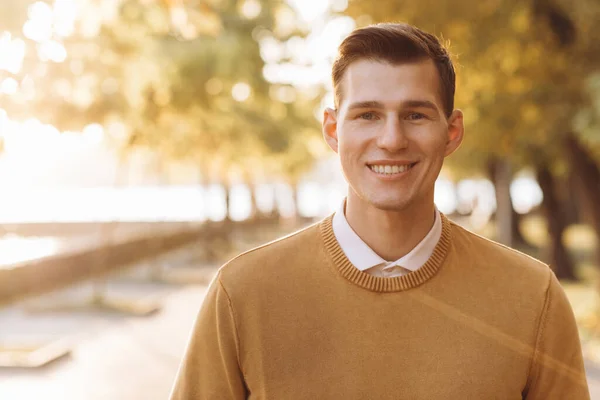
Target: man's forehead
{"type": "Point", "coordinates": [372, 80]}
{"type": "Point", "coordinates": [364, 65]}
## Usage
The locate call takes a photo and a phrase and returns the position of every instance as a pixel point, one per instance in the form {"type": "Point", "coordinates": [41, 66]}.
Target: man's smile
{"type": "Point", "coordinates": [391, 168]}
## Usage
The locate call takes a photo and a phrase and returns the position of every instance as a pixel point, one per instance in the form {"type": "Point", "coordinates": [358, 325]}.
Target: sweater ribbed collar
{"type": "Point", "coordinates": [381, 284]}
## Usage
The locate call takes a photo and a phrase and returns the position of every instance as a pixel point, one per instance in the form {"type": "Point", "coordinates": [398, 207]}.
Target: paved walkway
{"type": "Point", "coordinates": [114, 358]}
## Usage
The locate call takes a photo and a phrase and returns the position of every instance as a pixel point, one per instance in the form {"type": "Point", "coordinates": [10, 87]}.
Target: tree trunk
{"type": "Point", "coordinates": [293, 219]}
{"type": "Point", "coordinates": [586, 175]}
{"type": "Point", "coordinates": [203, 185]}
{"type": "Point", "coordinates": [249, 182]}
{"type": "Point", "coordinates": [500, 175]}
{"type": "Point", "coordinates": [296, 193]}
{"type": "Point", "coordinates": [254, 212]}
{"type": "Point", "coordinates": [516, 237]}
{"type": "Point", "coordinates": [573, 202]}
{"type": "Point", "coordinates": [275, 214]}
{"type": "Point", "coordinates": [227, 189]}
{"type": "Point", "coordinates": [557, 223]}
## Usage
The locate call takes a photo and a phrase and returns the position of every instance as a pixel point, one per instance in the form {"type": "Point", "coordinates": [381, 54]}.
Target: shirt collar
{"type": "Point", "coordinates": [363, 257]}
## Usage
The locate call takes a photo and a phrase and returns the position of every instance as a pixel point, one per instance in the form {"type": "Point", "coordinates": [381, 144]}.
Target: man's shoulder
{"type": "Point", "coordinates": [272, 258]}
{"type": "Point", "coordinates": [495, 255]}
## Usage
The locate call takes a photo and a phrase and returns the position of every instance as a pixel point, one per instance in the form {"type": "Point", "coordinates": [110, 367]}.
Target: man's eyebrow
{"type": "Point", "coordinates": [419, 104]}
{"type": "Point", "coordinates": [366, 104]}
{"type": "Point", "coordinates": [404, 104]}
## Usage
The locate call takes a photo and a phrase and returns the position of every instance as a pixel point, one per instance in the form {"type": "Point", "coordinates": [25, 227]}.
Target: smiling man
{"type": "Point", "coordinates": [387, 298]}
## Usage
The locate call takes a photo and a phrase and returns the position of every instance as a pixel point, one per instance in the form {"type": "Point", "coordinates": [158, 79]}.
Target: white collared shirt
{"type": "Point", "coordinates": [366, 260]}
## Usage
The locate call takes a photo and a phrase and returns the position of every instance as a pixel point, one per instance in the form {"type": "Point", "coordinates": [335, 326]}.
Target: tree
{"type": "Point", "coordinates": [234, 117]}
{"type": "Point", "coordinates": [185, 79]}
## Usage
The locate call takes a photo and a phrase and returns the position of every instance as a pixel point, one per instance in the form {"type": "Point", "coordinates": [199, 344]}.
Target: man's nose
{"type": "Point", "coordinates": [392, 137]}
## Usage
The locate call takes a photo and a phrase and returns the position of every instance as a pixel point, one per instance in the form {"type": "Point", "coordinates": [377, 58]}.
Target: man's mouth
{"type": "Point", "coordinates": [390, 169]}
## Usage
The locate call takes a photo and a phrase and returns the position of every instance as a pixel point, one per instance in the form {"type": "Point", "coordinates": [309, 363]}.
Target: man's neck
{"type": "Point", "coordinates": [391, 234]}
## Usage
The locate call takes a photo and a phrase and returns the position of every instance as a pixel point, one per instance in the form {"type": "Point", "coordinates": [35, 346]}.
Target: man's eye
{"type": "Point", "coordinates": [416, 116]}
{"type": "Point", "coordinates": [368, 116]}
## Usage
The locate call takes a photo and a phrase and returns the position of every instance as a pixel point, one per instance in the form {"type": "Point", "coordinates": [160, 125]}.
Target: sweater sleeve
{"type": "Point", "coordinates": [557, 371]}
{"type": "Point", "coordinates": [211, 368]}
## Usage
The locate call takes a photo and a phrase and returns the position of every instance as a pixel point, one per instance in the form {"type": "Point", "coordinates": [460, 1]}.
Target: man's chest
{"type": "Point", "coordinates": [305, 357]}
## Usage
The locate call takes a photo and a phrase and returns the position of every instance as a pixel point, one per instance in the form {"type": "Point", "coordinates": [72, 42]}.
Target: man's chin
{"type": "Point", "coordinates": [395, 205]}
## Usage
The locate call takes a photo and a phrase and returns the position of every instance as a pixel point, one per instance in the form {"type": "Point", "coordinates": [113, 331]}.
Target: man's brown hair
{"type": "Point", "coordinates": [396, 44]}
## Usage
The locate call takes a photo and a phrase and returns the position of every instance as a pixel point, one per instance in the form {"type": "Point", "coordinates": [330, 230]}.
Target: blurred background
{"type": "Point", "coordinates": [144, 143]}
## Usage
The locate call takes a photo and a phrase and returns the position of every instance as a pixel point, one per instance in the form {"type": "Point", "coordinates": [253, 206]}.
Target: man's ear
{"type": "Point", "coordinates": [330, 128]}
{"type": "Point", "coordinates": [456, 131]}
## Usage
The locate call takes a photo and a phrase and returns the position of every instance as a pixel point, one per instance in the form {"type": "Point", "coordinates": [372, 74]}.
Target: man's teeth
{"type": "Point", "coordinates": [390, 169]}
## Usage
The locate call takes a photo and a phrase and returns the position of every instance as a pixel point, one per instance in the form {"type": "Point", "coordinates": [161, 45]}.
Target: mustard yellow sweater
{"type": "Point", "coordinates": [294, 319]}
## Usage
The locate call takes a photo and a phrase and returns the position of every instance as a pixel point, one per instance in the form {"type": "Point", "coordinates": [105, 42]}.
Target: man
{"type": "Point", "coordinates": [387, 298]}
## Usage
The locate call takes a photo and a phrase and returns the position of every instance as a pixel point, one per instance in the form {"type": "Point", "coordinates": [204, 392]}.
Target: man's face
{"type": "Point", "coordinates": [391, 132]}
